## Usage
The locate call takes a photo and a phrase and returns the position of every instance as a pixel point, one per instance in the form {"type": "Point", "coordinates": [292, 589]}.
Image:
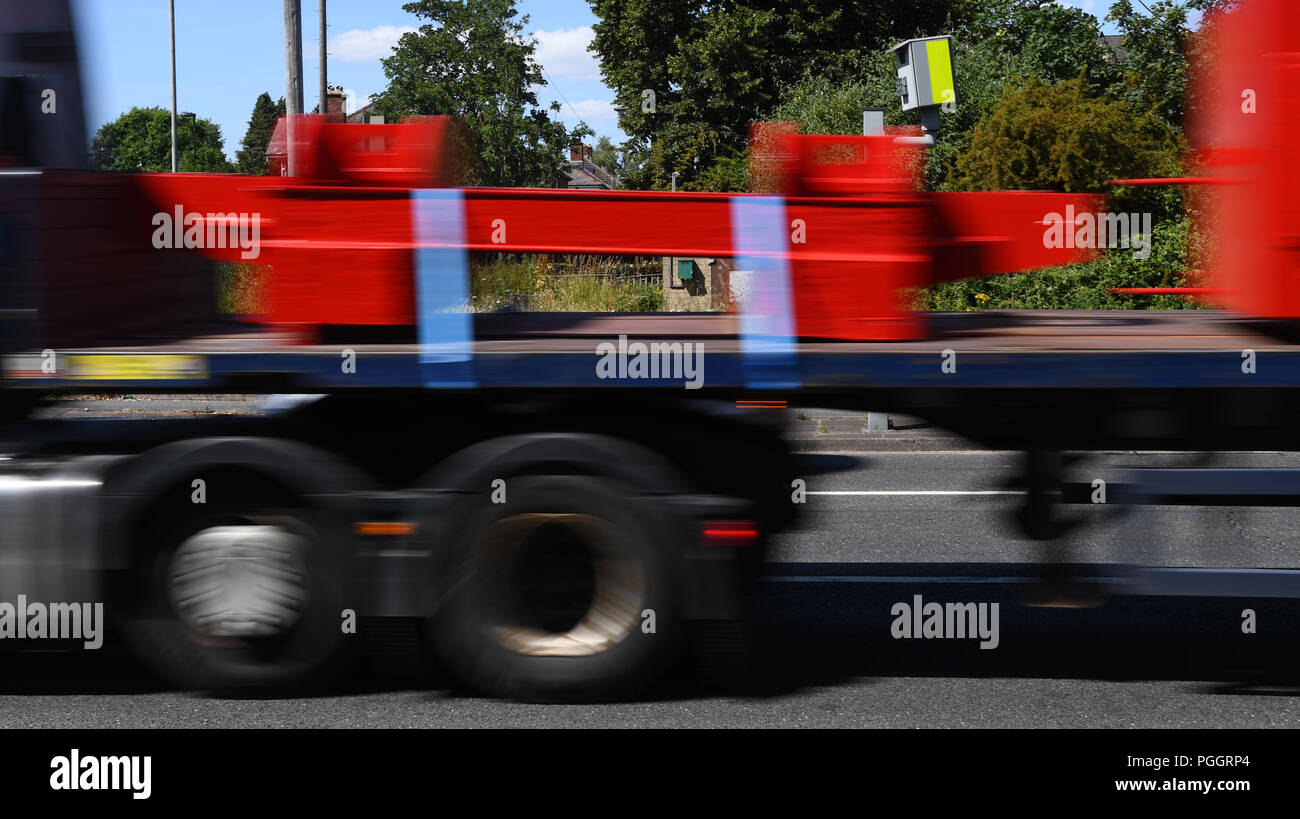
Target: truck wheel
{"type": "Point", "coordinates": [14, 407]}
{"type": "Point", "coordinates": [239, 602]}
{"type": "Point", "coordinates": [568, 591]}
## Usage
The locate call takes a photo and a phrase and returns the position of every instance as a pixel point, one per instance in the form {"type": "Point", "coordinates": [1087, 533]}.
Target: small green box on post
{"type": "Point", "coordinates": [685, 270]}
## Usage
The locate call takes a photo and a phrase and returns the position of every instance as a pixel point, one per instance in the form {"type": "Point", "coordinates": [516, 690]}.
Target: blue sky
{"type": "Point", "coordinates": [230, 51]}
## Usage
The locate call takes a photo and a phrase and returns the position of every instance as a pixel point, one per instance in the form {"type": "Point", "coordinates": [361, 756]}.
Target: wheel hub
{"type": "Point", "coordinates": [239, 581]}
{"type": "Point", "coordinates": [600, 596]}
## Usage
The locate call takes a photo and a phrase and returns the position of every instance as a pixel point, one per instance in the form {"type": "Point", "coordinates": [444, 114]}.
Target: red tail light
{"type": "Point", "coordinates": [729, 532]}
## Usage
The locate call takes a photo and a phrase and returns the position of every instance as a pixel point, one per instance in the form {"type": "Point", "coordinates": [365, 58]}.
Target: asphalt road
{"type": "Point", "coordinates": [891, 526]}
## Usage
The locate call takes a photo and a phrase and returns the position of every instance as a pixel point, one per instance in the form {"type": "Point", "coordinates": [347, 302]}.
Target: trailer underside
{"type": "Point", "coordinates": [1021, 379]}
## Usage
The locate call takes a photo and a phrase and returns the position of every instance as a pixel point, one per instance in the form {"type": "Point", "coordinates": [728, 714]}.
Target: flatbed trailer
{"type": "Point", "coordinates": [1045, 349]}
{"type": "Point", "coordinates": [363, 498]}
{"type": "Point", "coordinates": [553, 518]}
{"type": "Point", "coordinates": [1068, 370]}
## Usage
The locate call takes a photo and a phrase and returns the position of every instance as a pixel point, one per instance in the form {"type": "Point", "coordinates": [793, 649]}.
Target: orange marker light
{"type": "Point", "coordinates": [390, 528]}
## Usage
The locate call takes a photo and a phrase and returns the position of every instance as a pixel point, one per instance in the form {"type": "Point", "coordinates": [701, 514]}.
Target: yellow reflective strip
{"type": "Point", "coordinates": [939, 58]}
{"type": "Point", "coordinates": [137, 367]}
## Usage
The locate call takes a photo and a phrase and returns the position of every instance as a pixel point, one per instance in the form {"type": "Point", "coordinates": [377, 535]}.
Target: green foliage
{"type": "Point", "coordinates": [1041, 39]}
{"type": "Point", "coordinates": [605, 155]}
{"type": "Point", "coordinates": [1154, 62]}
{"type": "Point", "coordinates": [1044, 104]}
{"type": "Point", "coordinates": [140, 141]}
{"type": "Point", "coordinates": [1082, 286]}
{"type": "Point", "coordinates": [531, 283]}
{"type": "Point", "coordinates": [725, 174]}
{"type": "Point", "coordinates": [1007, 41]}
{"type": "Point", "coordinates": [714, 68]}
{"type": "Point", "coordinates": [251, 157]}
{"type": "Point", "coordinates": [471, 60]}
{"type": "Point", "coordinates": [1062, 138]}
{"type": "Point", "coordinates": [241, 287]}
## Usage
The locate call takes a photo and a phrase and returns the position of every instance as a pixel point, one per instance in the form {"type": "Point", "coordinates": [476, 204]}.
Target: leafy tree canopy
{"type": "Point", "coordinates": [714, 68]}
{"type": "Point", "coordinates": [471, 59]}
{"type": "Point", "coordinates": [1009, 41]}
{"type": "Point", "coordinates": [605, 154]}
{"type": "Point", "coordinates": [1062, 137]}
{"type": "Point", "coordinates": [251, 157]}
{"type": "Point", "coordinates": [140, 141]}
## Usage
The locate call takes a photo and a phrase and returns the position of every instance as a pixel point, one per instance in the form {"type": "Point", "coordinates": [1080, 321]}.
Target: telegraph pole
{"type": "Point", "coordinates": [292, 76]}
{"type": "Point", "coordinates": [171, 24]}
{"type": "Point", "coordinates": [323, 88]}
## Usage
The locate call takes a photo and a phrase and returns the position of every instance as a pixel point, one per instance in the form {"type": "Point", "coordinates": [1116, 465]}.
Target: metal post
{"type": "Point", "coordinates": [171, 24]}
{"type": "Point", "coordinates": [873, 123]}
{"type": "Point", "coordinates": [292, 76]}
{"type": "Point", "coordinates": [930, 120]}
{"type": "Point", "coordinates": [675, 181]}
{"type": "Point", "coordinates": [324, 99]}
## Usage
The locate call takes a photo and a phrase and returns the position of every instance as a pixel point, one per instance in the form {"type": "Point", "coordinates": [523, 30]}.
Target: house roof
{"type": "Point", "coordinates": [579, 177]}
{"type": "Point", "coordinates": [277, 145]}
{"type": "Point", "coordinates": [1116, 44]}
{"type": "Point", "coordinates": [359, 115]}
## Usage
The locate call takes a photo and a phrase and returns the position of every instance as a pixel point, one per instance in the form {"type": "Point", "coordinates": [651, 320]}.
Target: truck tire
{"type": "Point", "coordinates": [239, 600]}
{"type": "Point", "coordinates": [15, 406]}
{"type": "Point", "coordinates": [568, 591]}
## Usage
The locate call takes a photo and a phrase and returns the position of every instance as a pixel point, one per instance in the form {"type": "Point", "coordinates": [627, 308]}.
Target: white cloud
{"type": "Point", "coordinates": [362, 45]}
{"type": "Point", "coordinates": [1090, 6]}
{"type": "Point", "coordinates": [355, 102]}
{"type": "Point", "coordinates": [593, 109]}
{"type": "Point", "coordinates": [563, 53]}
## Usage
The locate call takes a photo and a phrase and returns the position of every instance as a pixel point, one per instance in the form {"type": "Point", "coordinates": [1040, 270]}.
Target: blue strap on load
{"type": "Point", "coordinates": [760, 234]}
{"type": "Point", "coordinates": [442, 288]}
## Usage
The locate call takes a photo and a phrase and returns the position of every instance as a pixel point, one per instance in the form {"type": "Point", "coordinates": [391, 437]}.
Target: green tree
{"type": "Point", "coordinates": [140, 141]}
{"type": "Point", "coordinates": [1084, 286]}
{"type": "Point", "coordinates": [471, 60]}
{"type": "Point", "coordinates": [1007, 41]}
{"type": "Point", "coordinates": [1154, 62]}
{"type": "Point", "coordinates": [1043, 39]}
{"type": "Point", "coordinates": [251, 157]}
{"type": "Point", "coordinates": [714, 68]}
{"type": "Point", "coordinates": [1064, 138]}
{"type": "Point", "coordinates": [605, 154]}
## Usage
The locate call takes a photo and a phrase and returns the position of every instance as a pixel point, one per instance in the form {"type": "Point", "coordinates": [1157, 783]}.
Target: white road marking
{"type": "Point", "coordinates": [17, 482]}
{"type": "Point", "coordinates": [897, 492]}
{"type": "Point", "coordinates": [864, 578]}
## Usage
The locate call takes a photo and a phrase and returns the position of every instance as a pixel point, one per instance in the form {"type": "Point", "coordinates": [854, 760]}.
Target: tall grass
{"type": "Point", "coordinates": [241, 288]}
{"type": "Point", "coordinates": [543, 283]}
{"type": "Point", "coordinates": [537, 283]}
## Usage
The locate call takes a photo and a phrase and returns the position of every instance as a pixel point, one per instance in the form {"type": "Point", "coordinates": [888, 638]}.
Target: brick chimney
{"type": "Point", "coordinates": [335, 100]}
{"type": "Point", "coordinates": [578, 154]}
